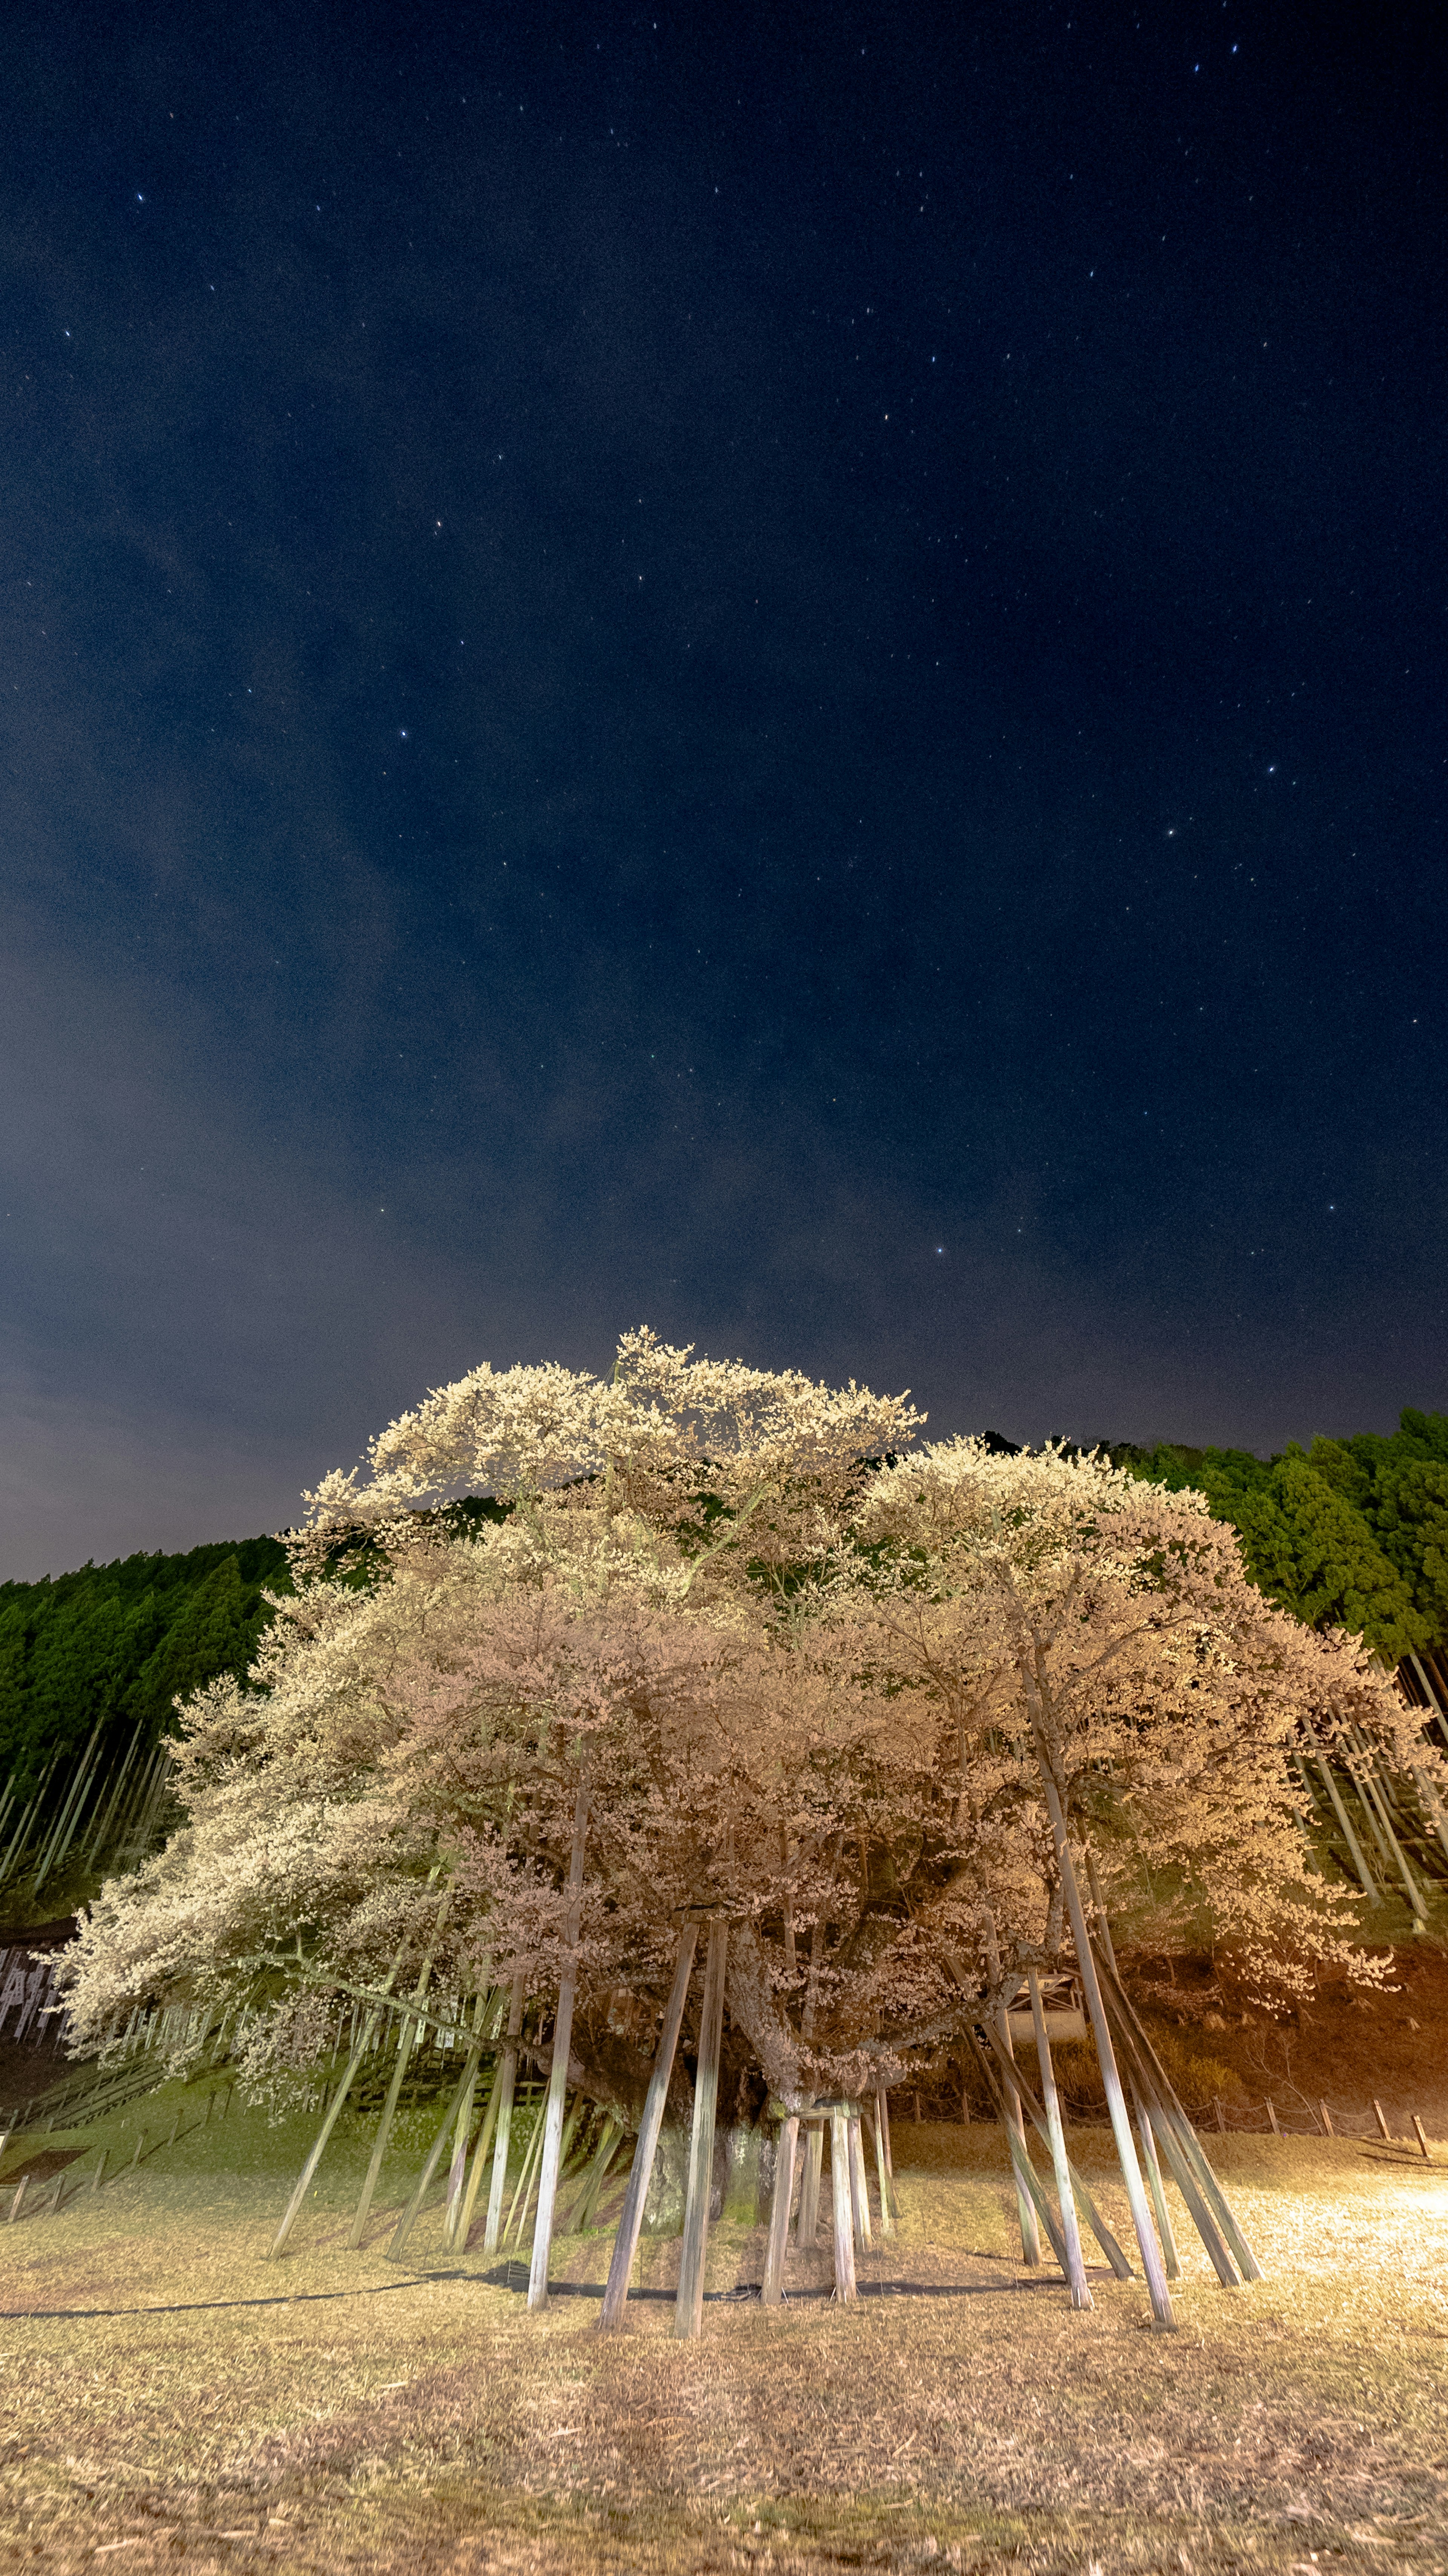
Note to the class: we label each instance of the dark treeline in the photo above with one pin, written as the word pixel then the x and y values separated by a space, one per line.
pixel 1348 1533
pixel 111 1646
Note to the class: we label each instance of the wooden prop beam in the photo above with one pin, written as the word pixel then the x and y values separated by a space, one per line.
pixel 405 2038
pixel 505 2085
pixel 1009 2072
pixel 625 2243
pixel 484 2013
pixel 1011 2110
pixel 461 2091
pixel 1161 2095
pixel 844 2233
pixel 601 2159
pixel 558 2076
pixel 859 2189
pixel 1154 2184
pixel 807 2223
pixel 1074 2267
pixel 462 2224
pixel 784 2162
pixel 1151 2256
pixel 1026 2179
pixel 882 2172
pixel 689 2306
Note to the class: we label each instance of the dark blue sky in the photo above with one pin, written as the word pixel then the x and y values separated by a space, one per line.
pixel 775 672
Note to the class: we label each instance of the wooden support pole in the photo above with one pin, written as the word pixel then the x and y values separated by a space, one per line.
pixel 1158 2086
pixel 98 2177
pixel 1379 2115
pixel 844 2234
pixel 772 2292
pixel 603 2155
pixel 1010 2074
pixel 463 2224
pixel 1375 1809
pixel 1422 2139
pixel 461 2090
pixel 859 2188
pixel 1021 2166
pixel 1011 2110
pixel 1272 2117
pixel 558 2077
pixel 458 2169
pixel 882 2172
pixel 1325 2116
pixel 689 2306
pixel 522 2199
pixel 1151 2255
pixel 389 2108
pixel 807 2223
pixel 505 2084
pixel 1154 2185
pixel 625 2243
pixel 1075 2267
pixel 1369 1886
pixel 18 2203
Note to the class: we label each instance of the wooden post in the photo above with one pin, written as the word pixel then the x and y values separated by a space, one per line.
pixel 882 2173
pixel 293 2207
pixel 1154 2185
pixel 522 2200
pixel 807 2223
pixel 1360 1865
pixel 98 2177
pixel 1326 2118
pixel 477 2168
pixel 1221 2114
pixel 1382 2123
pixel 457 2170
pixel 389 2108
pixel 1151 2256
pixel 1422 2141
pixel 602 2157
pixel 1158 2085
pixel 1011 2113
pixel 689 2306
pixel 18 2203
pixel 461 2091
pixel 625 2243
pixel 772 2292
pixel 1011 2075
pixel 844 2235
pixel 505 2083
pixel 859 2188
pixel 1021 2165
pixel 1272 2117
pixel 558 2078
pixel 1070 2231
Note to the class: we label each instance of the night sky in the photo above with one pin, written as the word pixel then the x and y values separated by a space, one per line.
pixel 775 672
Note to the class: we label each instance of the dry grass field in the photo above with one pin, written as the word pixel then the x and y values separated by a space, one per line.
pixel 172 2400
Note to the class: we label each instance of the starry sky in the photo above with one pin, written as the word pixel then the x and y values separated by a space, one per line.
pixel 775 672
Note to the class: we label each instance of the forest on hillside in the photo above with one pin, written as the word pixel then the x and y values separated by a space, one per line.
pixel 1346 1534
pixel 114 1646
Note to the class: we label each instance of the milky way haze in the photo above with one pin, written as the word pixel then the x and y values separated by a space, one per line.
pixel 779 676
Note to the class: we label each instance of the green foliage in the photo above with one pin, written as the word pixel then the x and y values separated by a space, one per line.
pixel 1350 1533
pixel 116 1643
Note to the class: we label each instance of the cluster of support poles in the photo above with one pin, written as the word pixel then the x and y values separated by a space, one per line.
pixel 1160 2128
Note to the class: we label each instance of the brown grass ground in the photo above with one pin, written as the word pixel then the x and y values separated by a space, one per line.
pixel 174 2401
